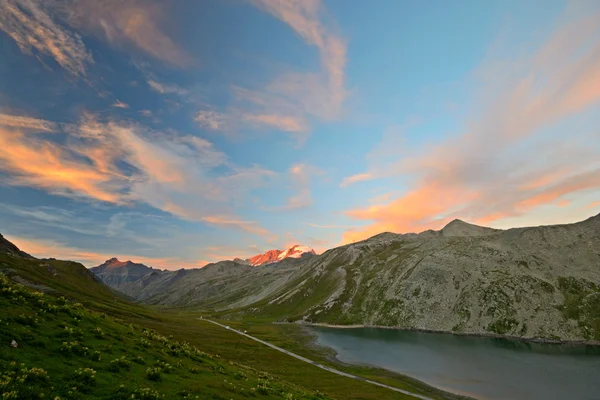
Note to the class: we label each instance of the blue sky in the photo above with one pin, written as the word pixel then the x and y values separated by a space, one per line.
pixel 179 133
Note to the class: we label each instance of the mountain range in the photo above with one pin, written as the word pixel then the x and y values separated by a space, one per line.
pixel 534 282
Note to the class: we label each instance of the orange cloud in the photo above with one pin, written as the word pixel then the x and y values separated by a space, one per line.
pixel 137 23
pixel 35 162
pixel 51 249
pixel 169 172
pixel 504 164
pixel 32 27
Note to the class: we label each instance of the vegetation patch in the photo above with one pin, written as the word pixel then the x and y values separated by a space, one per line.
pixel 582 304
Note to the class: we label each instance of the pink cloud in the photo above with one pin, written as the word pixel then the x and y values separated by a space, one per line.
pixel 503 164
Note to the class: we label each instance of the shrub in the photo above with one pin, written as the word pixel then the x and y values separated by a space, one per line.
pixel 96 356
pixel 85 378
pixel 98 333
pixel 146 394
pixel 139 360
pixel 153 373
pixel 119 363
pixel 74 348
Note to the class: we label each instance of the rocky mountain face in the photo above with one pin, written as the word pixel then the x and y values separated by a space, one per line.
pixel 273 256
pixel 538 282
pixel 8 247
pixel 265 258
pixel 117 274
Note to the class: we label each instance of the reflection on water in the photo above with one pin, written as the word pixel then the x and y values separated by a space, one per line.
pixel 484 368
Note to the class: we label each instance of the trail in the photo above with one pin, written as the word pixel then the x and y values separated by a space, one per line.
pixel 326 368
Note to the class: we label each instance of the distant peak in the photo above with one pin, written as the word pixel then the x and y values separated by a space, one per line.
pixel 458 227
pixel 113 260
pixel 273 256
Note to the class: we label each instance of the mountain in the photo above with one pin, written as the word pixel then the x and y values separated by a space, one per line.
pixel 9 248
pixel 273 256
pixel 265 258
pixel 535 282
pixel 117 274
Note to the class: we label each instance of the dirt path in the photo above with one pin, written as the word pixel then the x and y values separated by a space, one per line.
pixel 326 368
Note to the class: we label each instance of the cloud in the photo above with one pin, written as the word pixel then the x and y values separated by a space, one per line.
pixel 350 180
pixel 289 100
pixel 321 94
pixel 33 161
pixel 508 160
pixel 328 226
pixel 122 163
pixel 211 119
pixel 133 23
pixel 45 248
pixel 120 104
pixel 31 25
pixel 167 88
pixel 285 123
pixel 34 124
pixel 299 179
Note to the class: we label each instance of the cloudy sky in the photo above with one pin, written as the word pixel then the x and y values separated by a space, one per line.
pixel 179 132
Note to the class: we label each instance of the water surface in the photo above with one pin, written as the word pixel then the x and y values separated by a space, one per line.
pixel 483 368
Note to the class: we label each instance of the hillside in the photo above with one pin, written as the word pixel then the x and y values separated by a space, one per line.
pixel 538 282
pixel 76 339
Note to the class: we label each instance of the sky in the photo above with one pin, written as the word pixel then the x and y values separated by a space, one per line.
pixel 178 133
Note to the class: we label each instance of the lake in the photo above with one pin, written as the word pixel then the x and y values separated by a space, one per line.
pixel 483 368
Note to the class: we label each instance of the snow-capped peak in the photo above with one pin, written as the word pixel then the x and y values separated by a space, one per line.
pixel 273 256
pixel 295 251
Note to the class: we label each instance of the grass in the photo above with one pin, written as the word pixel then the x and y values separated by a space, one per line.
pixel 84 341
pixel 66 351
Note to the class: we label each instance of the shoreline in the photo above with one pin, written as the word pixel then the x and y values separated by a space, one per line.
pixel 331 355
pixel 595 343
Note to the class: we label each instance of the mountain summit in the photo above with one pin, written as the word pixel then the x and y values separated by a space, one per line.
pixel 116 273
pixel 461 228
pixel 273 256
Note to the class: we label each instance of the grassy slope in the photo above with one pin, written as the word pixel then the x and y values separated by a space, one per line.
pixel 269 374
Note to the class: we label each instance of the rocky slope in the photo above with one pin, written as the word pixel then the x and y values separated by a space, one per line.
pixel 541 282
pixel 10 248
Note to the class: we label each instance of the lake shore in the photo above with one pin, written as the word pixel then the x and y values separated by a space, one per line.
pixel 468 334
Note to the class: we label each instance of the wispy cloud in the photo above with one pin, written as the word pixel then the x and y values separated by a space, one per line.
pixel 21 122
pixel 298 179
pixel 288 101
pixel 122 163
pixel 120 104
pixel 321 94
pixel 285 123
pixel 328 226
pixel 32 26
pixel 167 88
pixel 133 23
pixel 506 163
pixel 211 119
